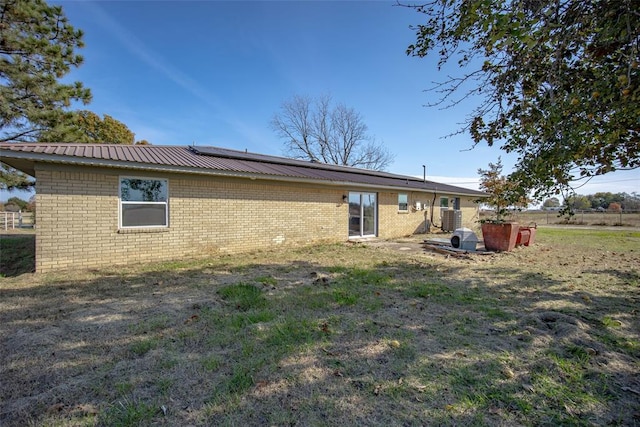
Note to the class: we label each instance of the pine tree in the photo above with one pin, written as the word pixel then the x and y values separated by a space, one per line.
pixel 37 49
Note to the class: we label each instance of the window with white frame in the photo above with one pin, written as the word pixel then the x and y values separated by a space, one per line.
pixel 403 202
pixel 144 202
pixel 444 205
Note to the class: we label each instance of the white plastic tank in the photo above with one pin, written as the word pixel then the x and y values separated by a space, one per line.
pixel 464 238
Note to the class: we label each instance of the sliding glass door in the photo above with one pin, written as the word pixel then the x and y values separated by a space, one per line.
pixel 362 214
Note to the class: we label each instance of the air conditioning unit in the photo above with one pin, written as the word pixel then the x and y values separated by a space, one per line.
pixel 451 220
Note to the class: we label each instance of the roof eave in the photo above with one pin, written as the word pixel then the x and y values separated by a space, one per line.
pixel 25 162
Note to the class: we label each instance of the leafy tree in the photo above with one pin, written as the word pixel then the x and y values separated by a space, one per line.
pixel 115 132
pixel 552 202
pixel 557 81
pixel 15 204
pixel 502 192
pixel 87 127
pixel 77 127
pixel 21 204
pixel 143 190
pixel 9 207
pixel 614 207
pixel 631 202
pixel 315 130
pixel 604 199
pixel 577 202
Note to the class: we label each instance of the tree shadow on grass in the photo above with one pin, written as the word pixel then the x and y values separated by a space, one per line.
pixel 17 254
pixel 397 343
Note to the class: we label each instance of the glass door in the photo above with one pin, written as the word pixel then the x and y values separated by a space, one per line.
pixel 362 214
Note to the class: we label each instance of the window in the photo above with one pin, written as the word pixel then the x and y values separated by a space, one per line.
pixel 403 202
pixel 456 203
pixel 444 205
pixel 144 202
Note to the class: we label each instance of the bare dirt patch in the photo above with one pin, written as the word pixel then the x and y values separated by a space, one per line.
pixel 332 335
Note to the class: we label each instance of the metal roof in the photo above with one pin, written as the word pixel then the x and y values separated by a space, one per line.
pixel 213 161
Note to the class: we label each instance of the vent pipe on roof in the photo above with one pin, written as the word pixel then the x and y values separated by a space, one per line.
pixel 424 174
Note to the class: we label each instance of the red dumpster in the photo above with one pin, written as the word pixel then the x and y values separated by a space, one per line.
pixel 527 235
pixel 524 234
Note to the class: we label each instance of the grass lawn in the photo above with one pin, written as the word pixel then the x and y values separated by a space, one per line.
pixel 331 335
pixel 17 253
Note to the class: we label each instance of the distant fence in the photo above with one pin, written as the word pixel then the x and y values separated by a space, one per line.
pixel 604 218
pixel 11 220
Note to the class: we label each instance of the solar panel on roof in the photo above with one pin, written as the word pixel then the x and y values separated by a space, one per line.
pixel 234 154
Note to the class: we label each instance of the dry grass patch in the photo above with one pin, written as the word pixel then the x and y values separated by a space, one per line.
pixel 332 335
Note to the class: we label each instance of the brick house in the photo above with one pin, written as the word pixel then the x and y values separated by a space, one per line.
pixel 100 204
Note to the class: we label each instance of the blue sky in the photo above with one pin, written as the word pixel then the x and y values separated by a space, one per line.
pixel 215 73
